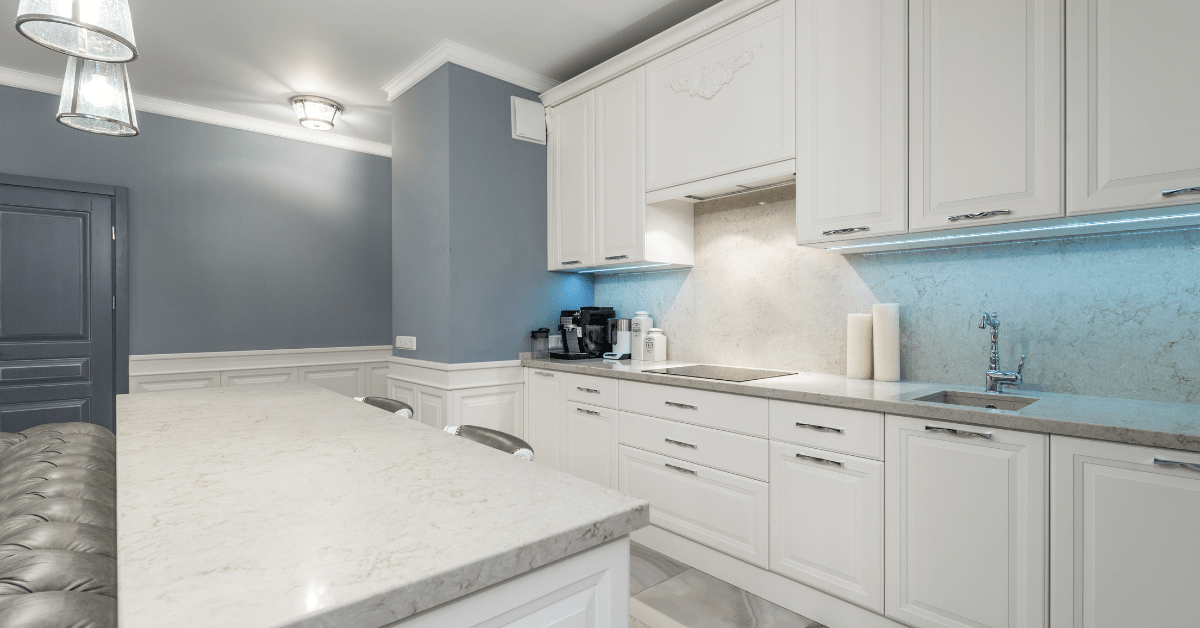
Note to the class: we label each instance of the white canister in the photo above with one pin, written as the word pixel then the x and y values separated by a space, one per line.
pixel 655 346
pixel 641 326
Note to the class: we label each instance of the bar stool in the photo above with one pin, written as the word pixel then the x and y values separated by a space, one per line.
pixel 391 405
pixel 495 439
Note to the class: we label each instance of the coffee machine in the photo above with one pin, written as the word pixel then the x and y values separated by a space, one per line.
pixel 585 333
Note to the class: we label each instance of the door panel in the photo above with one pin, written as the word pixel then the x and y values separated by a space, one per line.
pixel 56 307
pixel 620 172
pixel 572 189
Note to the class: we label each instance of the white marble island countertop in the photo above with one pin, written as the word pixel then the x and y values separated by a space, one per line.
pixel 289 505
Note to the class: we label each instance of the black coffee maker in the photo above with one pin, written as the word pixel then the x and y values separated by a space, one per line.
pixel 585 333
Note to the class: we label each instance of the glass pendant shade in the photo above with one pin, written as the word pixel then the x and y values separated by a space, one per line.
pixel 315 112
pixel 100 30
pixel 96 98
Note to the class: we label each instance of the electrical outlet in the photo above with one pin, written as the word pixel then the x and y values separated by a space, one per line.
pixel 407 343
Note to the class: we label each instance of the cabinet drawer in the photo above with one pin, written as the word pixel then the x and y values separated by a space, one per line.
pixel 747 415
pixel 744 455
pixel 597 391
pixel 724 511
pixel 836 429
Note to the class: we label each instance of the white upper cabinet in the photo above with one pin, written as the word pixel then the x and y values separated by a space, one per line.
pixel 985 111
pixel 620 169
pixel 1133 128
pixel 724 102
pixel 572 183
pixel 851 145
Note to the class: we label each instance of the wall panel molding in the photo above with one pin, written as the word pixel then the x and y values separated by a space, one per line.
pixel 487 394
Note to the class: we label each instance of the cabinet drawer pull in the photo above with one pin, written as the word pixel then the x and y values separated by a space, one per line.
pixel 820 460
pixel 946 430
pixel 617 257
pixel 543 374
pixel 680 443
pixel 1172 463
pixel 821 428
pixel 671 466
pixel 1181 191
pixel 591 412
pixel 998 212
pixel 574 261
pixel 587 390
pixel 681 405
pixel 841 231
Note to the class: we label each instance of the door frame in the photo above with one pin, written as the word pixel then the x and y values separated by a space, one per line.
pixel 120 209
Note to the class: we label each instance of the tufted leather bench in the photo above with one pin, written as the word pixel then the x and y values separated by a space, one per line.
pixel 58 527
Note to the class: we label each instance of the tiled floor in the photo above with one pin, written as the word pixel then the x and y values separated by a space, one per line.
pixel 668 594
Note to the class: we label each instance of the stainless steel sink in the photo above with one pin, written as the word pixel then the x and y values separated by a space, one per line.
pixel 989 401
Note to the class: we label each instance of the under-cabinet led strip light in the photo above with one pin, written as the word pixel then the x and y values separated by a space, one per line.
pixel 1081 225
pixel 609 270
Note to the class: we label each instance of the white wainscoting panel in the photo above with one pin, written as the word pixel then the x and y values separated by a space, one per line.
pixel 351 371
pixel 487 394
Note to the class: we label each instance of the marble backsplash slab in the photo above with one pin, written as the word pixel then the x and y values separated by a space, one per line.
pixel 1113 315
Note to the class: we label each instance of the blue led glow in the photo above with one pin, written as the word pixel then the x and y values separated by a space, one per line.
pixel 1101 223
pixel 611 270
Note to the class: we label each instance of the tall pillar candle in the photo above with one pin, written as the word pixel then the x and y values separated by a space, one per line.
pixel 858 346
pixel 886 338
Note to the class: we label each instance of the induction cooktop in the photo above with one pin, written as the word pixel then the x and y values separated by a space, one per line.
pixel 724 373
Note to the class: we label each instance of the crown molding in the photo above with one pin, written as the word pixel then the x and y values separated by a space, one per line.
pixel 450 52
pixel 48 85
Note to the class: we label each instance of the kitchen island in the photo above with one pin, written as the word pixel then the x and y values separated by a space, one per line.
pixel 289 505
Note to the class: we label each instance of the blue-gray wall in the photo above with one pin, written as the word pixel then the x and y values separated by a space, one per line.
pixel 470 219
pixel 238 240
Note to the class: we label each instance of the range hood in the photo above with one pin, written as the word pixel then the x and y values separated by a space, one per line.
pixel 742 182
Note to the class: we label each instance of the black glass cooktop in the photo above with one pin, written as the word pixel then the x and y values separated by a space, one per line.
pixel 724 373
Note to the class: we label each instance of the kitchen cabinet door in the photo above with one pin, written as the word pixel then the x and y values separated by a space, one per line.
pixel 985 112
pixel 966 525
pixel 572 183
pixel 545 416
pixel 1133 131
pixel 621 170
pixel 591 449
pixel 725 102
pixel 851 122
pixel 1124 534
pixel 827 522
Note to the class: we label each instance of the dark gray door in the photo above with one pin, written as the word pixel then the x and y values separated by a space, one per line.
pixel 56 307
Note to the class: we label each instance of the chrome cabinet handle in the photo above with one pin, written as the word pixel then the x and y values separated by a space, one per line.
pixel 681 405
pixel 1181 191
pixel 671 466
pixel 680 443
pixel 574 261
pixel 841 231
pixel 543 374
pixel 998 212
pixel 946 430
pixel 591 412
pixel 1172 463
pixel 617 257
pixel 820 460
pixel 821 428
pixel 587 390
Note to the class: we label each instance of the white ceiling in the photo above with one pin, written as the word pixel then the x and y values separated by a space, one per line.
pixel 249 56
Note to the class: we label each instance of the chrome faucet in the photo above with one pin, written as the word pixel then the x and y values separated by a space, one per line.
pixel 995 380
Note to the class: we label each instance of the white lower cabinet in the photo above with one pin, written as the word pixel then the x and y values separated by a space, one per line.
pixel 724 511
pixel 591 448
pixel 966 525
pixel 1125 534
pixel 827 521
pixel 545 423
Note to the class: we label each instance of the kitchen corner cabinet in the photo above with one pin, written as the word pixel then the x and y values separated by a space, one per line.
pixel 572 183
pixel 1124 535
pixel 724 102
pixel 966 525
pixel 591 443
pixel 1133 131
pixel 545 408
pixel 851 126
pixel 986 112
pixel 578 438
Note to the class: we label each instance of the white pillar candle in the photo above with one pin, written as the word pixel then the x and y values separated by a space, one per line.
pixel 886 338
pixel 858 346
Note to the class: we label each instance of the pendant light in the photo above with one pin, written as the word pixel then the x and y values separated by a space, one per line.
pixel 315 112
pixel 96 98
pixel 100 30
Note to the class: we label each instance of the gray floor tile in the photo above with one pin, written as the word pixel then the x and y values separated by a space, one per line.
pixel 648 568
pixel 694 599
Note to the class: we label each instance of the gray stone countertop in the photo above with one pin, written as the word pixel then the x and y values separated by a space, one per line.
pixel 290 505
pixel 1150 423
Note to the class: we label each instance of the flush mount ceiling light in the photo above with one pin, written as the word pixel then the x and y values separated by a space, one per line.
pixel 96 98
pixel 315 112
pixel 99 30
